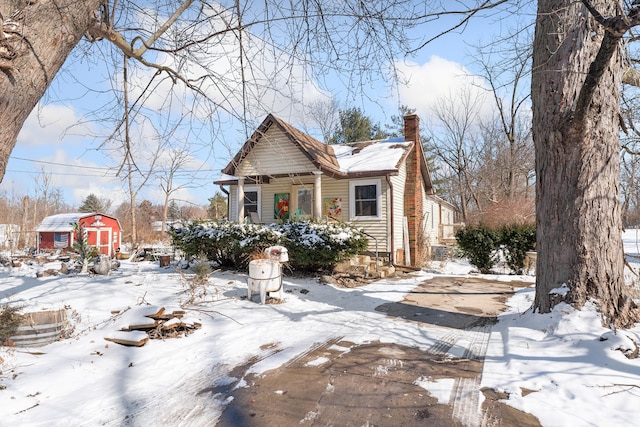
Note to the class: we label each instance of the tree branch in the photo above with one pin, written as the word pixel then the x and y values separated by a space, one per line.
pixel 467 16
pixel 615 28
pixel 163 28
pixel 631 77
pixel 608 47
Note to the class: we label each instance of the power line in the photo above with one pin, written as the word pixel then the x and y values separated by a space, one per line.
pixel 60 164
pixel 103 169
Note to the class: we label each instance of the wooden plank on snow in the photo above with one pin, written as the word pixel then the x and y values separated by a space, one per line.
pixel 133 338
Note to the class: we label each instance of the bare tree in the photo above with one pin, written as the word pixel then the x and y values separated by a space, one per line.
pixel 324 114
pixel 575 91
pixel 505 70
pixel 136 174
pixel 177 159
pixel 630 159
pixel 43 187
pixel 219 58
pixel 455 141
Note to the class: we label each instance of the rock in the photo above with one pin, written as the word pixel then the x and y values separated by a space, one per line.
pixel 327 279
pixel 102 265
pixel 46 273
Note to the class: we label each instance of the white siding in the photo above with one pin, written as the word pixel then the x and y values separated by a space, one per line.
pixel 331 188
pixel 274 154
pixel 431 211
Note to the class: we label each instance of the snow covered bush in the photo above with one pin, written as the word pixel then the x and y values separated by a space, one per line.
pixel 311 245
pixel 321 245
pixel 228 244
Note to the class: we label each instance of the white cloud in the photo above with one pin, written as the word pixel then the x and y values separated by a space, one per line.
pixel 52 123
pixel 429 83
pixel 80 177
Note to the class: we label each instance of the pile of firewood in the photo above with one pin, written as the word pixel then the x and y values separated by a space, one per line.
pixel 136 326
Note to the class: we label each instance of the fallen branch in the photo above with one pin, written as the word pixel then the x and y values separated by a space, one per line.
pixel 216 312
pixel 627 388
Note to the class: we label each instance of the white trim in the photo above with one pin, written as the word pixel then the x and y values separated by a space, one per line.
pixel 352 199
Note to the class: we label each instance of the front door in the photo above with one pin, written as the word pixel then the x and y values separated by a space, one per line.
pixel 302 201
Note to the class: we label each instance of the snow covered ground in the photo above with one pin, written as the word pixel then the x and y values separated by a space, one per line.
pixel 578 378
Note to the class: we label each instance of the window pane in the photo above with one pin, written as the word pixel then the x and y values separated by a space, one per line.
pixel 366 208
pixel 365 192
pixel 250 197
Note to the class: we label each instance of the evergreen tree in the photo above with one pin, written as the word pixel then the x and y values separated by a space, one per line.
pixel 354 126
pixel 93 203
pixel 217 206
pixel 174 211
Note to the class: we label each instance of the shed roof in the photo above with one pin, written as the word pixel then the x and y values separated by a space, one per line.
pixel 63 222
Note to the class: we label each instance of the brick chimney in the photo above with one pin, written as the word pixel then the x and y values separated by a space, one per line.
pixel 413 190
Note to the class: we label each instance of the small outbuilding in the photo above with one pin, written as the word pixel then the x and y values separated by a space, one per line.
pixel 102 231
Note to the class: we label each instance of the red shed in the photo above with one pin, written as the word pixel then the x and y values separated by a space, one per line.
pixel 103 231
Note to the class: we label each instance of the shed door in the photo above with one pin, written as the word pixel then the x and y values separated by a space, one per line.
pixel 104 241
pixel 101 239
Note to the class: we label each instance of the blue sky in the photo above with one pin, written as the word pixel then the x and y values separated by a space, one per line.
pixel 62 140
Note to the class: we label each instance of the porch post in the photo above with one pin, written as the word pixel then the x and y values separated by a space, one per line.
pixel 317 195
pixel 241 199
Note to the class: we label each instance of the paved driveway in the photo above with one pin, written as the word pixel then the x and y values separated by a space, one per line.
pixel 339 383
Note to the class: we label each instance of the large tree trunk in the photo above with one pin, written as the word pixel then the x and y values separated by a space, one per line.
pixel 579 240
pixel 38 37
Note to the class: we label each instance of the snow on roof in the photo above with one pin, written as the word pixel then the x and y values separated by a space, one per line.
pixel 371 156
pixel 61 222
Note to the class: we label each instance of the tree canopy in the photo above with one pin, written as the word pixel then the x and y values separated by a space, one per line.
pixel 93 203
pixel 355 126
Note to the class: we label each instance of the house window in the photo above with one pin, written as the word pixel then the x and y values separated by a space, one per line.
pixel 251 201
pixel 364 196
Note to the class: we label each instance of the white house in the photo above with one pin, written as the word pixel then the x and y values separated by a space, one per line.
pixel 383 187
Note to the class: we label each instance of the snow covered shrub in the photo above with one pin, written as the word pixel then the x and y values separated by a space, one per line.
pixel 311 245
pixel 229 244
pixel 321 245
pixel 480 245
pixel 517 240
